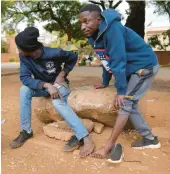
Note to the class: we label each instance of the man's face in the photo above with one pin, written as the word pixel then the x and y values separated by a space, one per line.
pixel 34 54
pixel 89 22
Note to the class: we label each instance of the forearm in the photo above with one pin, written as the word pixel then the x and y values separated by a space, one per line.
pixel 106 77
pixel 60 76
pixel 69 60
pixel 120 82
pixel 32 83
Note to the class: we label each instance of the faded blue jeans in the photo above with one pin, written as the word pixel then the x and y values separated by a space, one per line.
pixel 60 106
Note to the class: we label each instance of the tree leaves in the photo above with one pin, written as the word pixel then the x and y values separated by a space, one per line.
pixel 60 15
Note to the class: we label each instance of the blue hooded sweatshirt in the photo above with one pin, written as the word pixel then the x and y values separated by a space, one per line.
pixel 46 68
pixel 121 50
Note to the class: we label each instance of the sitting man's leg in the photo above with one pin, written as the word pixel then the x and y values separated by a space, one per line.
pixel 26 95
pixel 74 122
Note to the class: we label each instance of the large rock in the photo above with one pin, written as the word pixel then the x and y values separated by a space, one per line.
pixel 58 134
pixel 60 130
pixel 90 103
pixel 45 111
pixel 98 127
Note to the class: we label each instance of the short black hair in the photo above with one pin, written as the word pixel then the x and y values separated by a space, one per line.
pixel 91 8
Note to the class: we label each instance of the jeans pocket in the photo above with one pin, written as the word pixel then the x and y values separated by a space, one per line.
pixel 64 91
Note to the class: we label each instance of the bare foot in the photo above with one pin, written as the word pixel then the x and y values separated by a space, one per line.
pixel 103 151
pixel 88 147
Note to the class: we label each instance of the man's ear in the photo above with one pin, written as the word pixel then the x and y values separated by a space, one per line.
pixel 99 19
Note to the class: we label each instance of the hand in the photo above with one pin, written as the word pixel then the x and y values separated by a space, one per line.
pixel 119 101
pixel 53 91
pixel 99 86
pixel 60 78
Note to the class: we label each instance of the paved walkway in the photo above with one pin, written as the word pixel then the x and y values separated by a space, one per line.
pixel 164 73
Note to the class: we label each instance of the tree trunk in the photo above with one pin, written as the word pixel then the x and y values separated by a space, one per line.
pixel 136 18
pixel 69 36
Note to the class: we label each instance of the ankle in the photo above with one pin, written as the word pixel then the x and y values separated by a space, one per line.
pixel 109 144
pixel 87 138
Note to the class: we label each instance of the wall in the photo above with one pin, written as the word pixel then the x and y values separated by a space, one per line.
pixel 5 56
pixel 163 57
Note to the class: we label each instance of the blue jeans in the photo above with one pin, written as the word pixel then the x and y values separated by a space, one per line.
pixel 60 106
pixel 137 87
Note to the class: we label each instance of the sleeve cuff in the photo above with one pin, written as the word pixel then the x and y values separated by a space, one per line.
pixel 66 70
pixel 40 85
pixel 105 82
pixel 121 91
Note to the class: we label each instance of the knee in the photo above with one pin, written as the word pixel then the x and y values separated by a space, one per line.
pixel 58 103
pixel 25 91
pixel 135 104
pixel 126 110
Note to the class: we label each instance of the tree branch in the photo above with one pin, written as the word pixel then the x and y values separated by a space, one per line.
pixel 110 4
pixel 166 9
pixel 55 18
pixel 94 2
pixel 117 4
pixel 101 3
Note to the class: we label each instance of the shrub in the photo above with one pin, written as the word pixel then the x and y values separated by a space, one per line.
pixel 82 62
pixel 11 59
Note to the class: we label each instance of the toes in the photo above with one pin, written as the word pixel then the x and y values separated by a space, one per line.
pixel 93 154
pixel 96 155
pixel 84 154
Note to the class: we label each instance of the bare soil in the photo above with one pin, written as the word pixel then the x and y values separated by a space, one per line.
pixel 43 155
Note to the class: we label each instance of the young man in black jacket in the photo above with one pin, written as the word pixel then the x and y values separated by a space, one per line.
pixel 50 79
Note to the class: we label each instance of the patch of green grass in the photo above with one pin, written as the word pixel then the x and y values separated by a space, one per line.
pixel 168 65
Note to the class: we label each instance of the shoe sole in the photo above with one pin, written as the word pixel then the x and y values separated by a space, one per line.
pixel 19 145
pixel 157 146
pixel 72 149
pixel 117 161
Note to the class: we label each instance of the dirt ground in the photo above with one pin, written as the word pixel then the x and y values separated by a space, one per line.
pixel 43 155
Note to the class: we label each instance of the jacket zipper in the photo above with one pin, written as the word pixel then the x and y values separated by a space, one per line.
pixel 101 33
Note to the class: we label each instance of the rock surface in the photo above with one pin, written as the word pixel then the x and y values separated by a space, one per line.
pixel 98 127
pixel 60 130
pixel 58 134
pixel 96 105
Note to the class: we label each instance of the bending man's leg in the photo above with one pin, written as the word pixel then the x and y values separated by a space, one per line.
pixel 137 87
pixel 121 120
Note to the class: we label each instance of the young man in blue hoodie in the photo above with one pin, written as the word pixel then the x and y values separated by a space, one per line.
pixel 132 62
pixel 50 79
